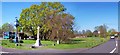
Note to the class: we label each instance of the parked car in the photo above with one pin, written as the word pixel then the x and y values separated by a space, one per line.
pixel 8 35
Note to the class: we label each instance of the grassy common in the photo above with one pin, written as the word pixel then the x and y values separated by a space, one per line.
pixel 75 43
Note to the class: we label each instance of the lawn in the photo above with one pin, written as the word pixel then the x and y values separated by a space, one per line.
pixel 81 43
pixel 75 43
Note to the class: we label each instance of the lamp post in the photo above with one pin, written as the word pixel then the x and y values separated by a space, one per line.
pixel 16 25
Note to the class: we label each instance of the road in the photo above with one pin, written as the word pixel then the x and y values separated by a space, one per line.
pixel 109 47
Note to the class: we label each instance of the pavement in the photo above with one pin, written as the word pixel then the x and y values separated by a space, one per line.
pixel 9 50
pixel 1 38
pixel 109 47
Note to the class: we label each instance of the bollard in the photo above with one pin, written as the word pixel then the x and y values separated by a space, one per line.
pixel 32 46
pixel 16 44
pixel 53 44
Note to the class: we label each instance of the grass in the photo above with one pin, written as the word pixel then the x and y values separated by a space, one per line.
pixel 81 43
pixel 88 42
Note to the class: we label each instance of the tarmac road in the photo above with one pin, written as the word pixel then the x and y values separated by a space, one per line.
pixel 109 47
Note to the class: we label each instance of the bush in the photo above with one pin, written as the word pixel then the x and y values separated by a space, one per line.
pixel 102 39
pixel 21 41
pixel 3 43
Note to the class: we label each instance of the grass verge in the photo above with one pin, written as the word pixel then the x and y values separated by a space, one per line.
pixel 88 42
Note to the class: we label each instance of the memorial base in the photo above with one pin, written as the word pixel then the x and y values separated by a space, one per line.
pixel 38 43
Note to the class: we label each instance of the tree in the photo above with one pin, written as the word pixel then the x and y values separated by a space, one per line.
pixel 111 31
pixel 61 27
pixel 7 27
pixel 88 33
pixel 84 33
pixel 102 29
pixel 95 33
pixel 53 21
pixel 37 15
pixel 1 32
pixel 76 32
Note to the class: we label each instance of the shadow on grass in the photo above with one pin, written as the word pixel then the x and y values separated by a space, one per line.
pixel 74 41
pixel 77 40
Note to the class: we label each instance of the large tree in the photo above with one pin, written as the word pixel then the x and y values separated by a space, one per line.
pixel 83 33
pixel 61 25
pixel 6 27
pixel 111 31
pixel 53 21
pixel 95 33
pixel 1 32
pixel 89 33
pixel 102 29
pixel 37 15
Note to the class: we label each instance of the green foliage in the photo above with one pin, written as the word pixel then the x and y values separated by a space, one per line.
pixel 95 33
pixel 51 18
pixel 102 29
pixel 6 27
pixel 111 32
pixel 1 32
pixel 89 33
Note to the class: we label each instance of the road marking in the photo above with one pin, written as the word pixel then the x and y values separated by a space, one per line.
pixel 115 47
pixel 4 52
pixel 113 50
pixel 116 43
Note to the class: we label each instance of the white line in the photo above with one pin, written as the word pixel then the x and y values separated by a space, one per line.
pixel 113 50
pixel 4 52
pixel 116 43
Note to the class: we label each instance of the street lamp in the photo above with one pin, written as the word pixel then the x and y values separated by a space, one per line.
pixel 16 25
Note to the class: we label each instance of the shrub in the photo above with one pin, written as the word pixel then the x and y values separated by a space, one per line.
pixel 3 43
pixel 21 41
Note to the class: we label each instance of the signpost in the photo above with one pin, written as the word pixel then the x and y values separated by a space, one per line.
pixel 16 25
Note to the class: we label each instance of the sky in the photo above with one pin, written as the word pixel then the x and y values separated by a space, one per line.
pixel 60 0
pixel 87 14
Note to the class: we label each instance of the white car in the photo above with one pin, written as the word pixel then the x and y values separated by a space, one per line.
pixel 112 37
